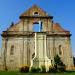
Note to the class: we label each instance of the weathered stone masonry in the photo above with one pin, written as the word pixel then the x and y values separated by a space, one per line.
pixel 19 43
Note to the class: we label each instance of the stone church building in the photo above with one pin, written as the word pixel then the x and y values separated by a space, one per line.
pixel 35 40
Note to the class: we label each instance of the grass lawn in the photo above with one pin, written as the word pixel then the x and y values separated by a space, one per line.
pixel 18 73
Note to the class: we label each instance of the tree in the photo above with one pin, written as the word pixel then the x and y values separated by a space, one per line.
pixel 74 60
pixel 59 65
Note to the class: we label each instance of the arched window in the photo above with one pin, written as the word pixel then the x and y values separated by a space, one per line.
pixel 60 50
pixel 12 50
pixel 36 13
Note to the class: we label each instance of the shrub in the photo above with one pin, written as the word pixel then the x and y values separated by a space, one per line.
pixel 59 65
pixel 60 68
pixel 52 69
pixel 38 69
pixel 24 69
pixel 33 69
pixel 43 68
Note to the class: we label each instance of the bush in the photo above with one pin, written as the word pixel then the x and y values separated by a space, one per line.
pixel 43 68
pixel 60 68
pixel 24 69
pixel 33 69
pixel 59 65
pixel 52 69
pixel 38 69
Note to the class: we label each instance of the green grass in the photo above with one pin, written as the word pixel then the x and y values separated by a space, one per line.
pixel 18 73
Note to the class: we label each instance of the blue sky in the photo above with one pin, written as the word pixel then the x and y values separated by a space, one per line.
pixel 62 10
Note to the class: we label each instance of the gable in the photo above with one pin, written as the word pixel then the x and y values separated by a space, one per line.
pixel 28 25
pixel 34 9
pixel 58 28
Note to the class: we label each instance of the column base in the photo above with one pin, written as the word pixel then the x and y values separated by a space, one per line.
pixel 39 62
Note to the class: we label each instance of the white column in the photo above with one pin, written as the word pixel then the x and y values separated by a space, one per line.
pixel 41 51
pixel 35 44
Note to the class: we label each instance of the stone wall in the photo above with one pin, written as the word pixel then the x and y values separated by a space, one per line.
pixel 23 43
pixel 53 49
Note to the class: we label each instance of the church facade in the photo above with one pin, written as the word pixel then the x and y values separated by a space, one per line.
pixel 35 39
